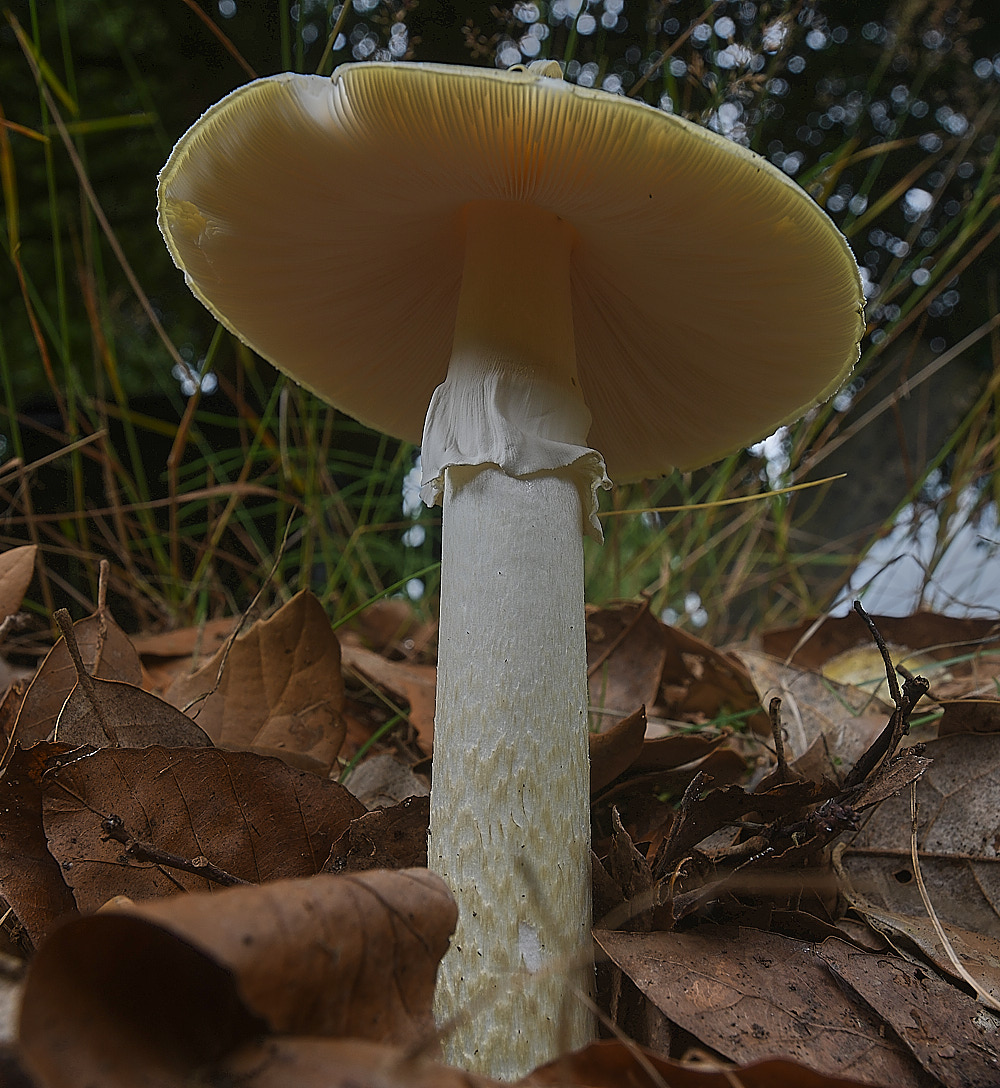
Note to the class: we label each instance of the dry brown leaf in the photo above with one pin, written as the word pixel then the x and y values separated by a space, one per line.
pixel 408 683
pixel 253 816
pixel 390 623
pixel 957 655
pixel 917 939
pixel 102 712
pixel 748 994
pixel 958 839
pixel 892 776
pixel 705 683
pixel 638 796
pixel 952 1037
pixel 969 716
pixel 107 653
pixel 612 753
pixel 10 706
pixel 628 867
pixel 940 635
pixel 186 642
pixel 611 1064
pixel 338 1063
pixel 834 723
pixel 155 993
pixel 351 956
pixel 388 838
pixel 17 567
pixel 626 651
pixel 864 667
pixel 280 693
pixel 30 877
pixel 665 753
pixel 383 781
pixel 112 1001
pixel 166 655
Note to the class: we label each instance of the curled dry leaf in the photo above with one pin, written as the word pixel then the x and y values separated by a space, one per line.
pixel 17 566
pixel 637 795
pixel 893 775
pixel 613 752
pixel 749 995
pixel 706 683
pixel 10 705
pixel 702 815
pixel 666 753
pixel 630 869
pixel 253 816
pixel 31 880
pixel 149 995
pixel 111 1000
pixel 280 692
pixel 107 653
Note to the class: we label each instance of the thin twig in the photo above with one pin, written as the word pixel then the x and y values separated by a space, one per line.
pixel 914 689
pixel 83 678
pixel 774 714
pixel 114 828
pixel 890 669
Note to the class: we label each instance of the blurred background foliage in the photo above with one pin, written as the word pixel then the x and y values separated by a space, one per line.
pixel 186 462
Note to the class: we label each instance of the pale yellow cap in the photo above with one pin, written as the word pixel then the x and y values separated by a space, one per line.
pixel 319 220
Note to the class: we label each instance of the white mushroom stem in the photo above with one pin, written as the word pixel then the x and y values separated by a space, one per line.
pixel 505 441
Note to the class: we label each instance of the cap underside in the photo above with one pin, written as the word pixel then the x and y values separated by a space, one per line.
pixel 319 220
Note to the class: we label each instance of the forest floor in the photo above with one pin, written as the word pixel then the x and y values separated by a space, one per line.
pixel 795 853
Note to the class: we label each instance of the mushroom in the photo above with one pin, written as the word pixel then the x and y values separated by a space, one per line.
pixel 547 272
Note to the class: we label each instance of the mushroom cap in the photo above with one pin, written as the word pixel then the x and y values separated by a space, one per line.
pixel 320 221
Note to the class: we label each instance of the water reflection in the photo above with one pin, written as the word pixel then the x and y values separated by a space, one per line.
pixel 907 570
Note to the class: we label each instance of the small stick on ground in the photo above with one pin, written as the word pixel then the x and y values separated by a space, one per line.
pixel 914 688
pixel 774 713
pixel 114 828
pixel 84 679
